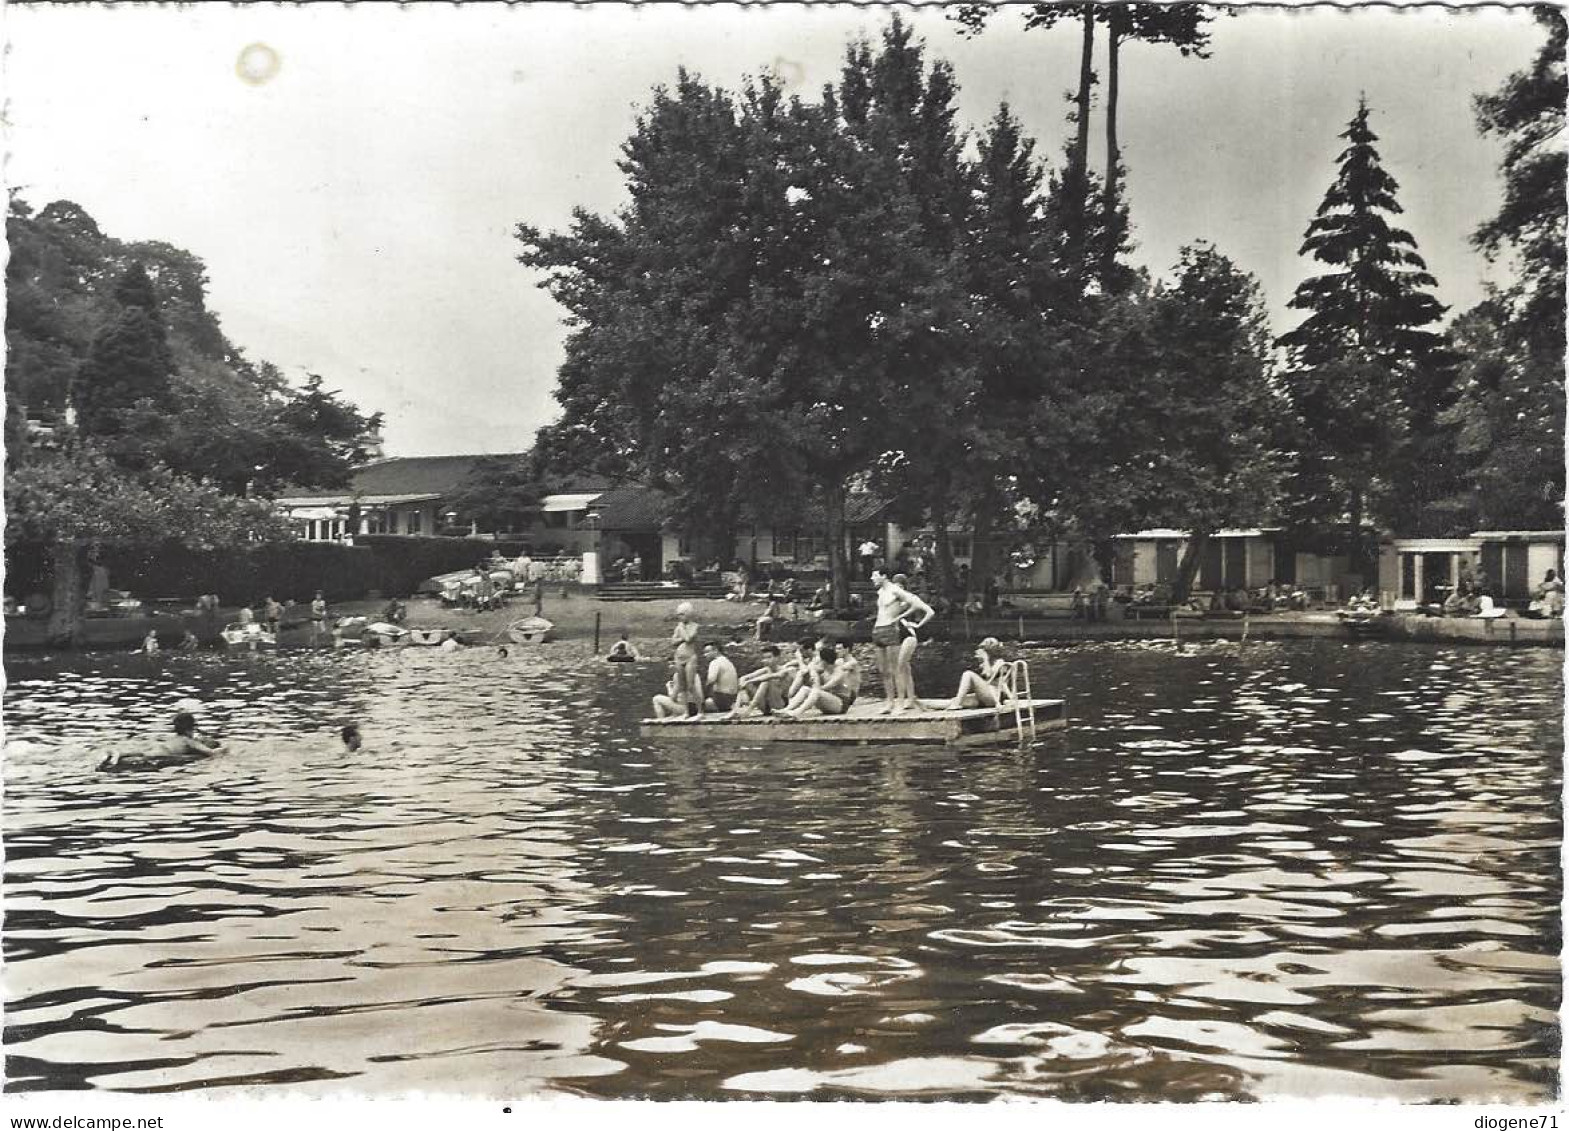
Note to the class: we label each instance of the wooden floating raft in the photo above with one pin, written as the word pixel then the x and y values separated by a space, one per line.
pixel 866 724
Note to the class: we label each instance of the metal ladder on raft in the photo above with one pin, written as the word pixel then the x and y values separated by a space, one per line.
pixel 1015 687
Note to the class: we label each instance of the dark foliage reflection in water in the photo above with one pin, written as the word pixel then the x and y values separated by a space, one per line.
pixel 1285 870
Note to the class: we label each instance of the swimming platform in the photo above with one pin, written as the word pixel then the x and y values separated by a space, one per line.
pixel 865 723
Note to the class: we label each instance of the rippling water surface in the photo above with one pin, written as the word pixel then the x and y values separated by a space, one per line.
pixel 1291 870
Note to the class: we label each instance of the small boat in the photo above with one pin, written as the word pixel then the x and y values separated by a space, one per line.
pixel 530 630
pixel 250 636
pixel 381 634
pixel 430 637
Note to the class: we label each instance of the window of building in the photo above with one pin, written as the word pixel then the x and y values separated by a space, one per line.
pixel 960 545
pixel 412 521
pixel 809 546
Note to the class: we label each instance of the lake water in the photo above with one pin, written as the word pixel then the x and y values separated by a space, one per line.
pixel 1295 869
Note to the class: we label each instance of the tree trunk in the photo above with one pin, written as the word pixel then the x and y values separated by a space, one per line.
pixel 65 619
pixel 1104 551
pixel 1354 537
pixel 1113 154
pixel 1081 143
pixel 940 582
pixel 838 562
pixel 982 520
pixel 1188 567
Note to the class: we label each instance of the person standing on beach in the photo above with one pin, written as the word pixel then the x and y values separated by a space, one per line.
pixel 274 614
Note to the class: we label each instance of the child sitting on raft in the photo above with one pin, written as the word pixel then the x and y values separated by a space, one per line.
pixel 667 706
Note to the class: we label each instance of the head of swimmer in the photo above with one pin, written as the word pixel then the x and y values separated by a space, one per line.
pixel 351 737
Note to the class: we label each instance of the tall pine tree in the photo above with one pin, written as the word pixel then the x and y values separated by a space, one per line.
pixel 1367 379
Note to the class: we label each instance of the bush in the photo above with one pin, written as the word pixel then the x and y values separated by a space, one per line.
pixel 289 571
pixel 390 564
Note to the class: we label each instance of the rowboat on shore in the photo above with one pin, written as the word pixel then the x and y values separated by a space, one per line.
pixel 865 723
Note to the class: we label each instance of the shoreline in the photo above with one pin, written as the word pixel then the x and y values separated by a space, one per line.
pixel 647 625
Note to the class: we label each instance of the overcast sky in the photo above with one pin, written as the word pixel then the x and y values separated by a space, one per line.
pixel 355 209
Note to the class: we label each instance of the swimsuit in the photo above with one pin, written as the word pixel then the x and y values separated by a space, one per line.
pixel 722 700
pixel 886 635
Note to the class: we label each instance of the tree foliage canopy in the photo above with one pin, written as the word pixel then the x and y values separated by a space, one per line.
pixel 122 333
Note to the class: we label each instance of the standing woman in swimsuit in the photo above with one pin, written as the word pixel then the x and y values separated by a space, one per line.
pixel 905 673
pixel 894 604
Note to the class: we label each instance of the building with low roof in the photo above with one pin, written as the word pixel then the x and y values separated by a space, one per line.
pixel 1508 564
pixel 412 494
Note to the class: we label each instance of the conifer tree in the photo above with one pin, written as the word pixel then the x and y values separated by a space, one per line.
pixel 129 360
pixel 1367 378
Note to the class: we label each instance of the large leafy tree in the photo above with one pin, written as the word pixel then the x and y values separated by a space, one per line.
pixel 499 493
pixel 773 311
pixel 1210 394
pixel 123 331
pixel 1368 377
pixel 175 427
pixel 75 497
pixel 1509 419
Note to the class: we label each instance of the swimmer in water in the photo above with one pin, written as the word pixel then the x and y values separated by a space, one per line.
pixel 351 738
pixel 168 749
pixel 623 652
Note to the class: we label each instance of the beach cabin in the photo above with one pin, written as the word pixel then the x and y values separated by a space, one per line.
pixel 1425 570
pixel 1233 559
pixel 1516 561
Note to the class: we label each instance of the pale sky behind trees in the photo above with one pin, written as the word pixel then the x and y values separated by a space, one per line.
pixel 355 211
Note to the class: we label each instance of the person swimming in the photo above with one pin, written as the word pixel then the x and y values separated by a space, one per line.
pixel 165 750
pixel 350 737
pixel 623 652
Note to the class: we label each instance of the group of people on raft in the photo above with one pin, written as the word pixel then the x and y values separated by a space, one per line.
pixel 822 676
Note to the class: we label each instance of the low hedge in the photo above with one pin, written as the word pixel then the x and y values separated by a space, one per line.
pixel 390 564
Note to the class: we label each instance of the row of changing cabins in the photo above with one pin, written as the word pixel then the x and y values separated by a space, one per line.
pixel 1515 562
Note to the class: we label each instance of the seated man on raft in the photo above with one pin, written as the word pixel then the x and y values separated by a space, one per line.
pixel 763 691
pixel 833 682
pixel 723 682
